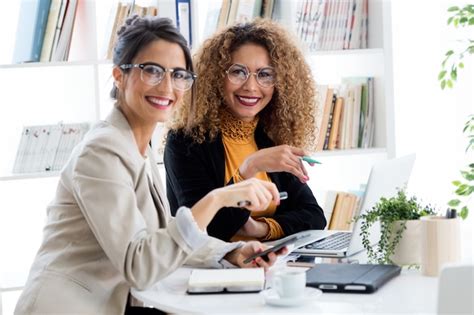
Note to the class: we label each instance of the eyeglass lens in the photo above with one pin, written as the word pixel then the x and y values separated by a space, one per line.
pixel 180 78
pixel 239 74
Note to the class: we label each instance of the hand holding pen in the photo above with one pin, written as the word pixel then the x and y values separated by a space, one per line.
pixel 245 203
pixel 310 160
pixel 258 193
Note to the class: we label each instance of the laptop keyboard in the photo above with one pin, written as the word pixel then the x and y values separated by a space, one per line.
pixel 335 241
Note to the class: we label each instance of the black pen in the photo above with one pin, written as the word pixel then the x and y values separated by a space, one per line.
pixel 246 203
pixel 451 213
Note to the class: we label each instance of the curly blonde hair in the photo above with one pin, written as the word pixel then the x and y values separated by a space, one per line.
pixel 289 118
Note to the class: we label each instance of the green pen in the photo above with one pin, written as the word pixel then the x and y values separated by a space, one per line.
pixel 310 159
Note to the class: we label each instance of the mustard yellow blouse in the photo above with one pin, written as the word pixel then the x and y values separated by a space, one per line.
pixel 239 143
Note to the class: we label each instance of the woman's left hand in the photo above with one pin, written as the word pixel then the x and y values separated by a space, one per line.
pixel 238 255
pixel 253 228
pixel 282 158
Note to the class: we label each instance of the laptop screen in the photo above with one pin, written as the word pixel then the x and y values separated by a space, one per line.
pixel 385 179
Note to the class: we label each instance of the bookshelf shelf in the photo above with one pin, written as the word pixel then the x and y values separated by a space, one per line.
pixel 351 152
pixel 56 64
pixel 10 289
pixel 347 52
pixel 28 176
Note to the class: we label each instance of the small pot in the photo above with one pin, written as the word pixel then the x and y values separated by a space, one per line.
pixel 408 250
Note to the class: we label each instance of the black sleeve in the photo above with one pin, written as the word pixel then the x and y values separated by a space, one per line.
pixel 300 211
pixel 191 174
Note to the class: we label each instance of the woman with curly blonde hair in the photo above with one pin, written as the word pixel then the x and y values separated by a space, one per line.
pixel 253 117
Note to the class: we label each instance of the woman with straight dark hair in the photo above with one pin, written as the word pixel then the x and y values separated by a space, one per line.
pixel 109 227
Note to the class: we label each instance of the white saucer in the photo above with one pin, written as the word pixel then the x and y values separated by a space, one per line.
pixel 271 297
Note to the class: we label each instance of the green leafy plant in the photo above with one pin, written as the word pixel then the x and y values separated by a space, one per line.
pixel 453 61
pixel 465 186
pixel 388 211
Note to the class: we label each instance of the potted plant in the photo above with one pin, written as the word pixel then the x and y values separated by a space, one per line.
pixel 453 60
pixel 399 229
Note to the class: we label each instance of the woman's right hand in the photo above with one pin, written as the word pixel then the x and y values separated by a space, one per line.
pixel 282 158
pixel 257 192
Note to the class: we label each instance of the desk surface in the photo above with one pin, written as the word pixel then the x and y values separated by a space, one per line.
pixel 408 293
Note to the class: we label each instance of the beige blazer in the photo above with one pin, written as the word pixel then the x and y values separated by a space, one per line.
pixel 109 229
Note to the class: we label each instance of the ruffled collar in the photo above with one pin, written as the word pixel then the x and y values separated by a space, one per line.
pixel 235 129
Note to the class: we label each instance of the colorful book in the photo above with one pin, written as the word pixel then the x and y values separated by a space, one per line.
pixel 323 127
pixel 336 119
pixel 183 19
pixel 48 38
pixel 30 32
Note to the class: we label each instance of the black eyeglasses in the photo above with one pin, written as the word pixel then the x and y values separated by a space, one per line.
pixel 239 74
pixel 153 74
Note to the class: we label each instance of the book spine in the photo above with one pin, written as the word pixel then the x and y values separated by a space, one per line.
pixel 183 19
pixel 60 152
pixel 245 11
pixel 25 38
pixel 330 121
pixel 61 50
pixel 48 38
pixel 59 25
pixel 52 147
pixel 41 152
pixel 336 118
pixel 22 150
pixel 33 149
pixel 40 27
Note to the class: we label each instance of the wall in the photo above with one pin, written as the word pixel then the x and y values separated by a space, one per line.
pixel 429 121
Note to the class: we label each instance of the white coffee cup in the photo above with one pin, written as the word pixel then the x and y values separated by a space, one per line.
pixel 289 283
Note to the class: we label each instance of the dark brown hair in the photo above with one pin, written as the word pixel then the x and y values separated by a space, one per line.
pixel 137 33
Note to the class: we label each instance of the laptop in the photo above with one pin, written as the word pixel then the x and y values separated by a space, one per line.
pixel 385 179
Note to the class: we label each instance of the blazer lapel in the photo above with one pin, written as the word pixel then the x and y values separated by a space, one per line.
pixel 117 119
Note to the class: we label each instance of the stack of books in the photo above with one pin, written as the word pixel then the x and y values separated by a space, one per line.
pixel 346 115
pixel 48 147
pixel 333 25
pixel 340 208
pixel 119 14
pixel 46 28
pixel 53 30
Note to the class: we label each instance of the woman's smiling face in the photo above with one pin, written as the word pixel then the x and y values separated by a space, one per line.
pixel 146 103
pixel 246 100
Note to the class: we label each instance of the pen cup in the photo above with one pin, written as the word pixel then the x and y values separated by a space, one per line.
pixel 440 243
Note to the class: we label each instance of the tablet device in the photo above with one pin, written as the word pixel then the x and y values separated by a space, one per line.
pixel 350 278
pixel 276 247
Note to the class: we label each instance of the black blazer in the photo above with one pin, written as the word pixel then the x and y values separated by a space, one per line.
pixel 193 170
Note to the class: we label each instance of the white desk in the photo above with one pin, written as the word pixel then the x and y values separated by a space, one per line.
pixel 408 293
